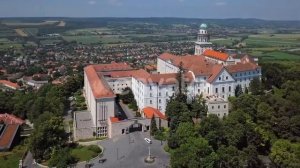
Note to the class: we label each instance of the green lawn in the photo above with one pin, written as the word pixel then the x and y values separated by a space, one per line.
pixel 84 153
pixel 11 159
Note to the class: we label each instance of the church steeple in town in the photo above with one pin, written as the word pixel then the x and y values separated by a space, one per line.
pixel 202 42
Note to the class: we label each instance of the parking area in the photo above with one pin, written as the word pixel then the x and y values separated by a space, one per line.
pixel 130 150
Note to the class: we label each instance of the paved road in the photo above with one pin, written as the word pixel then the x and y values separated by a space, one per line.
pixel 130 150
pixel 129 113
pixel 28 160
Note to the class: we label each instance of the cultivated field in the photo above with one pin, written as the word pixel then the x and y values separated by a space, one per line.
pixel 21 32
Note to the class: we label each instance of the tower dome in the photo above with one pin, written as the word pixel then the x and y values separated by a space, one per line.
pixel 203 26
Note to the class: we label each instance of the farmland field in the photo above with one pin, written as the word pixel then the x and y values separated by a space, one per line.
pixel 280 56
pixel 273 40
pixel 89 39
pixel 21 32
pixel 5 44
pixel 17 23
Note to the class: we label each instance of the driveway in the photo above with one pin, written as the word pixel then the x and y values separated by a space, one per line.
pixel 130 150
pixel 128 112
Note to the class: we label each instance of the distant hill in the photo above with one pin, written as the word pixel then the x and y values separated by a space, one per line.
pixel 96 22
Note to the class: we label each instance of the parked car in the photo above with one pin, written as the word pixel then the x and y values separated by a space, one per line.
pixel 148 140
pixel 102 160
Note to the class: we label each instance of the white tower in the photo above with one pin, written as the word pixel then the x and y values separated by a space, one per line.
pixel 202 42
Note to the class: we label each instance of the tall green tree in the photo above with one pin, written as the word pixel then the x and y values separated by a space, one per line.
pixel 48 135
pixel 199 108
pixel 153 126
pixel 238 91
pixel 255 86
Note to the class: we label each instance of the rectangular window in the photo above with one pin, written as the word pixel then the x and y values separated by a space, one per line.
pixel 159 100
pixel 216 90
pixel 167 94
pixel 229 88
pixel 150 94
pixel 159 94
pixel 150 87
pixel 173 88
pixel 150 101
pixel 223 89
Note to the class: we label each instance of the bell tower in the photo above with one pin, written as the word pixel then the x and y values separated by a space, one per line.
pixel 202 42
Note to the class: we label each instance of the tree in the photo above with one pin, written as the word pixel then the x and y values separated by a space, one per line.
pixel 238 91
pixel 185 131
pixel 195 153
pixel 199 108
pixel 181 92
pixel 61 158
pixel 48 135
pixel 212 129
pixel 285 154
pixel 229 157
pixel 153 126
pixel 255 86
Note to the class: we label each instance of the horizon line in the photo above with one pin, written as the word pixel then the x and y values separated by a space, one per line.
pixel 150 17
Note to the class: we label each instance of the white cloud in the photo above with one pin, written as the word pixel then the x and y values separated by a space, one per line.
pixel 92 2
pixel 220 3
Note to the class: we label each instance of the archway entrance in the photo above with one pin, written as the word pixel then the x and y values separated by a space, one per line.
pixel 135 127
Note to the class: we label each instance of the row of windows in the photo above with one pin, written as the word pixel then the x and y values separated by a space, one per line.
pixel 159 101
pixel 223 89
pixel 173 88
pixel 245 73
pixel 119 85
pixel 212 107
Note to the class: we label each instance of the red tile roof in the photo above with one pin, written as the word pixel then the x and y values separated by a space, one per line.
pixel 114 119
pixel 197 64
pixel 98 85
pixel 112 67
pixel 11 119
pixel 8 135
pixel 150 111
pixel 216 55
pixel 240 67
pixel 9 84
pixel 215 71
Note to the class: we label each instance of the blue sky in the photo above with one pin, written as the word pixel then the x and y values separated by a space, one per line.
pixel 263 9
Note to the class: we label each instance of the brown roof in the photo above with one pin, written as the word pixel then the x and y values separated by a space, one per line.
pixel 98 85
pixel 240 67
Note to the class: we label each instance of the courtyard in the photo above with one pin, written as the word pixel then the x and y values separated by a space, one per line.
pixel 130 150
